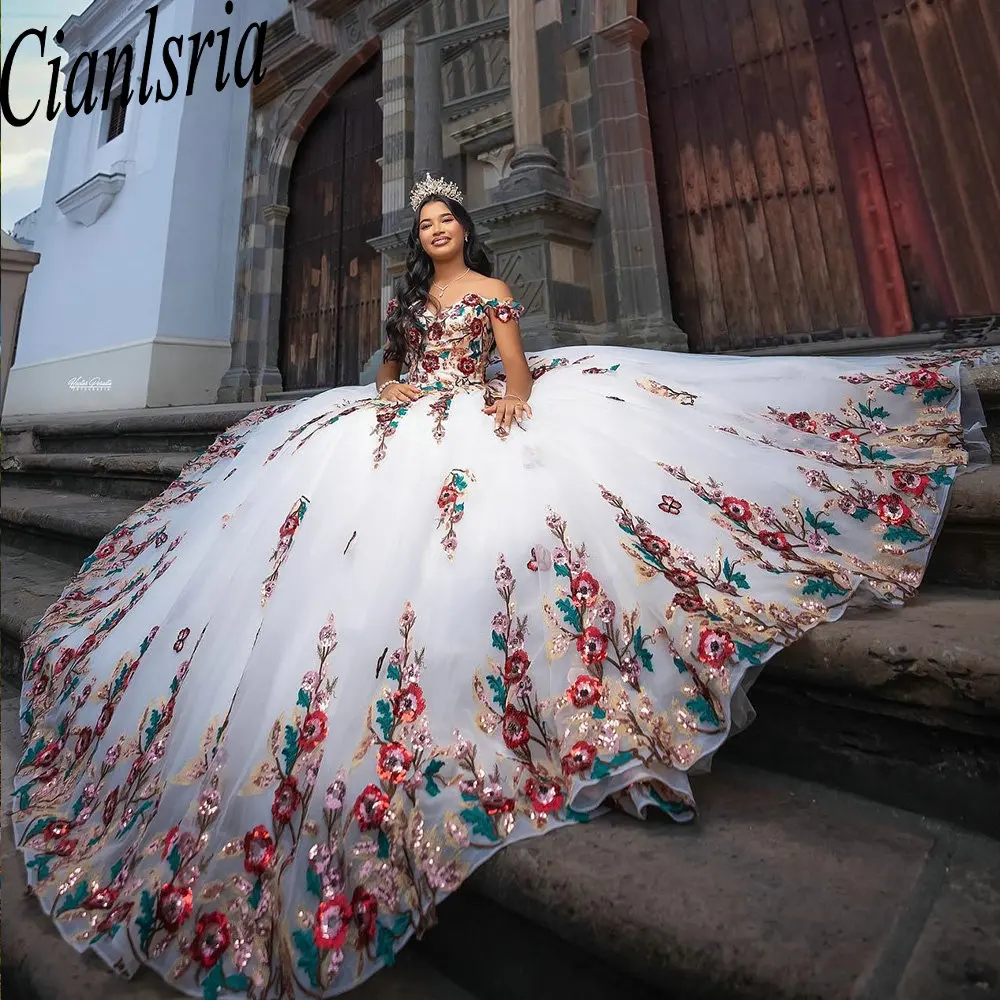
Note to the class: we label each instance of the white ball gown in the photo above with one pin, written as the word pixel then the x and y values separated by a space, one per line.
pixel 358 647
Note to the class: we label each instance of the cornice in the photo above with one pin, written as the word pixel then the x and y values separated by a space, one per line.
pixel 104 24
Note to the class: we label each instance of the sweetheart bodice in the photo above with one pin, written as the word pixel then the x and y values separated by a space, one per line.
pixel 452 347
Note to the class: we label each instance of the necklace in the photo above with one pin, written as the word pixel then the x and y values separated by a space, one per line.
pixel 437 284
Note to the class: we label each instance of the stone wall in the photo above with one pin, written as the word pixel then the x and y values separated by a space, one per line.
pixel 536 108
pixel 16 265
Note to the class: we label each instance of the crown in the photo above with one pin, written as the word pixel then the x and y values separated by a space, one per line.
pixel 434 185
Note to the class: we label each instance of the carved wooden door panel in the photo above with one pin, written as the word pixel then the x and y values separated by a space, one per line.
pixel 931 75
pixel 767 240
pixel 331 290
pixel 825 164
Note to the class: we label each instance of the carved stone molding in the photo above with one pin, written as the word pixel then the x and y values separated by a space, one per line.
pixel 549 213
pixel 103 23
pixel 331 9
pixel 276 213
pixel 498 159
pixel 609 12
pixel 85 204
pixel 391 12
pixel 298 43
pixel 628 32
pixel 391 243
pixel 457 40
pixel 480 137
pixel 453 110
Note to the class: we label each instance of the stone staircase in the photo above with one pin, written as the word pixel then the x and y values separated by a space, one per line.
pixel 848 843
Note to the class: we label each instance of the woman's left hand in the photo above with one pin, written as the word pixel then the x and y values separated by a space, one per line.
pixel 507 410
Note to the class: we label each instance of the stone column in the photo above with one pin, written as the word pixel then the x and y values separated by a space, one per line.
pixel 265 376
pixel 235 384
pixel 428 98
pixel 16 264
pixel 400 59
pixel 531 157
pixel 636 283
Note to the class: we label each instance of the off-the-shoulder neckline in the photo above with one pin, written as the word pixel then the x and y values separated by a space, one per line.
pixel 494 301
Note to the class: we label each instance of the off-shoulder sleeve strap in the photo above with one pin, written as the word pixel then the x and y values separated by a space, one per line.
pixel 387 352
pixel 505 310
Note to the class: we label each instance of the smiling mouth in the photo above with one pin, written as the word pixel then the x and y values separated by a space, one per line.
pixel 440 241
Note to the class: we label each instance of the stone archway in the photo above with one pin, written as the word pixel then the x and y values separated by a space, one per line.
pixel 275 131
pixel 331 277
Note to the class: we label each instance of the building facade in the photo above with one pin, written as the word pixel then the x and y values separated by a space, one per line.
pixel 724 175
pixel 17 261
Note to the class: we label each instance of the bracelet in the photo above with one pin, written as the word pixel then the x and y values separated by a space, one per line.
pixel 385 385
pixel 508 395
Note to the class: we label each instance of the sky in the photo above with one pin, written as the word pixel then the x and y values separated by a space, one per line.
pixel 24 151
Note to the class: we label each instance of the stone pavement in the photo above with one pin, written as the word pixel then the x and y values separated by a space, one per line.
pixel 782 889
pixel 39 965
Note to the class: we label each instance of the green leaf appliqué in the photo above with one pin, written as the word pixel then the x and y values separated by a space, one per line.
pixel 291 751
pixel 383 717
pixel 822 588
pixel 479 822
pixel 308 954
pixel 702 710
pixel 902 534
pixel 499 690
pixel 430 783
pixel 314 885
pixel 571 614
pixel 602 768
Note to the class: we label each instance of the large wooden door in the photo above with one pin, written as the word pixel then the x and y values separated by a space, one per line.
pixel 931 75
pixel 825 165
pixel 759 238
pixel 331 291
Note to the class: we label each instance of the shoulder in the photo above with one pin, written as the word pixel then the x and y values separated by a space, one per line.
pixel 492 288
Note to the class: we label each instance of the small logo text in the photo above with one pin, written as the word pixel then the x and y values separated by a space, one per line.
pixel 93 384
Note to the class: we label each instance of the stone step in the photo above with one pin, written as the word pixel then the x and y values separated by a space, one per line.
pixel 902 705
pixel 60 525
pixel 31 583
pixel 781 889
pixel 39 965
pixel 193 428
pixel 968 551
pixel 189 429
pixel 66 523
pixel 138 476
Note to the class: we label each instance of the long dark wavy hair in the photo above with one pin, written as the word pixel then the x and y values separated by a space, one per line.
pixel 413 290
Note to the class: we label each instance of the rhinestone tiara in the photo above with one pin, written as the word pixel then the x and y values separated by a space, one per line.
pixel 434 185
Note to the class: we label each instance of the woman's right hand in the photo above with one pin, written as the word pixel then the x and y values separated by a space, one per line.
pixel 400 392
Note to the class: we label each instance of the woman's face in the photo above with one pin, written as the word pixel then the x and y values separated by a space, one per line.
pixel 441 234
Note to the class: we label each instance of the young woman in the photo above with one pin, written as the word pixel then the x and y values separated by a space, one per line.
pixel 368 639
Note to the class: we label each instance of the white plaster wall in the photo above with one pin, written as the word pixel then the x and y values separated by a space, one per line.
pixel 160 264
pixel 99 285
pixel 207 193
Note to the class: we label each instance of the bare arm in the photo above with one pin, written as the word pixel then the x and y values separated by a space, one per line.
pixel 389 371
pixel 513 406
pixel 387 378
pixel 515 364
